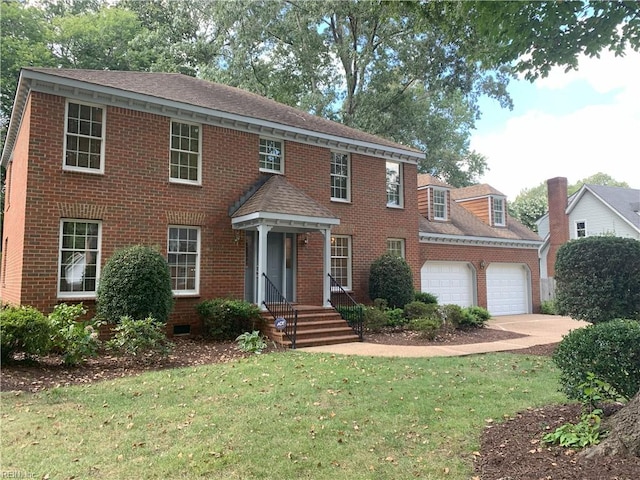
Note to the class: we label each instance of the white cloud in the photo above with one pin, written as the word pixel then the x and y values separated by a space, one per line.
pixel 537 145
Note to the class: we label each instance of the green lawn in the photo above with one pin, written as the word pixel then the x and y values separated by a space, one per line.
pixel 282 415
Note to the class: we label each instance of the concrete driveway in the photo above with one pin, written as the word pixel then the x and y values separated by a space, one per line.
pixel 539 330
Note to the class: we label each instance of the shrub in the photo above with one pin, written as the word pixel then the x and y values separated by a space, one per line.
pixel 225 319
pixel 418 309
pixel 145 337
pixel 251 342
pixel 390 278
pixel 395 317
pixel 73 339
pixel 425 297
pixel 136 283
pixel 25 330
pixel 427 327
pixel 452 314
pixel 598 279
pixel 474 317
pixel 610 350
pixel 548 307
pixel 374 319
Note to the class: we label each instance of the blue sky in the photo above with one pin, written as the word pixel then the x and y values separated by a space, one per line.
pixel 572 124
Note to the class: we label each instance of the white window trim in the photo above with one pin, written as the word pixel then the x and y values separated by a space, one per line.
pixel 492 201
pixel 575 229
pixel 349 286
pixel 269 170
pixel 400 185
pixel 402 245
pixel 94 171
pixel 182 180
pixel 196 290
pixel 446 210
pixel 348 199
pixel 78 295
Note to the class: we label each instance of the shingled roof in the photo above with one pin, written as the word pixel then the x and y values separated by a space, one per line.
pixel 206 101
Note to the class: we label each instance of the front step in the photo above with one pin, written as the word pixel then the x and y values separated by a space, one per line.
pixel 316 326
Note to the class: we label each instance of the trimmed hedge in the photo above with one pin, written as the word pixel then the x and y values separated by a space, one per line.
pixel 226 319
pixel 23 330
pixel 610 350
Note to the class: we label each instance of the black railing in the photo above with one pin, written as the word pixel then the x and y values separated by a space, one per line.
pixel 347 307
pixel 280 308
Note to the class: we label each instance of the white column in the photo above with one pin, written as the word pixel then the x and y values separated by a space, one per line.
pixel 326 283
pixel 263 231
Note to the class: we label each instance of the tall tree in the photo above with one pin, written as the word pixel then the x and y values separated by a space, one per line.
pixel 532 203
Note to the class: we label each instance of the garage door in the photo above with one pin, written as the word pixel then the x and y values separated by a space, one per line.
pixel 507 289
pixel 451 282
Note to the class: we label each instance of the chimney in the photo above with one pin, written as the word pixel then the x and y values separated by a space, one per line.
pixel 558 220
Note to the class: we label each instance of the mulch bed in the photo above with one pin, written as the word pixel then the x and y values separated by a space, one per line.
pixel 512 450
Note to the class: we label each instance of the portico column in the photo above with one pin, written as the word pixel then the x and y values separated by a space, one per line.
pixel 326 284
pixel 263 231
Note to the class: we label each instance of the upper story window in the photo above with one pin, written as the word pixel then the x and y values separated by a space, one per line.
pixel 186 159
pixel 498 211
pixel 340 171
pixel 395 246
pixel 183 257
pixel 79 258
pixel 84 138
pixel 581 229
pixel 271 155
pixel 394 184
pixel 439 204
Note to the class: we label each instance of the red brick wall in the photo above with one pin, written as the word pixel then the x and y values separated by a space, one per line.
pixel 558 220
pixel 136 202
pixel 488 255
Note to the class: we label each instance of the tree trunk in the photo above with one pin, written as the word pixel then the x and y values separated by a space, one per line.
pixel 624 433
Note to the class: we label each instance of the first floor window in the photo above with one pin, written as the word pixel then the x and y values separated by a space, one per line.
pixel 79 259
pixel 395 246
pixel 394 184
pixel 581 229
pixel 183 256
pixel 341 260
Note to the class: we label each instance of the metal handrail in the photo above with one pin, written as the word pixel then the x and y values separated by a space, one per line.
pixel 347 307
pixel 279 307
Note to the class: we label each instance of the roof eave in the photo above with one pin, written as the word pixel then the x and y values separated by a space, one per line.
pixel 426 237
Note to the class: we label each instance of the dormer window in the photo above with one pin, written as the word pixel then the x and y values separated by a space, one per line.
pixel 439 204
pixel 498 211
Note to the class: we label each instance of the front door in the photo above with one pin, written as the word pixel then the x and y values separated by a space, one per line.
pixel 280 264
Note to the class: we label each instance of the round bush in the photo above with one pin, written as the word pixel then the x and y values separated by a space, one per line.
pixel 598 279
pixel 374 319
pixel 390 278
pixel 418 309
pixel 474 317
pixel 225 319
pixel 425 297
pixel 25 330
pixel 136 283
pixel 610 350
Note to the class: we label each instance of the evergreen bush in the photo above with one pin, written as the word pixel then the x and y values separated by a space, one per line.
pixel 474 317
pixel 140 338
pixel 135 282
pixel 609 350
pixel 425 297
pixel 75 340
pixel 226 319
pixel 374 319
pixel 23 330
pixel 419 309
pixel 390 278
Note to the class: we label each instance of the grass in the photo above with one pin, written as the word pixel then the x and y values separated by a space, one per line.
pixel 287 415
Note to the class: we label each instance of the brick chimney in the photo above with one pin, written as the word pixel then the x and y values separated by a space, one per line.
pixel 558 219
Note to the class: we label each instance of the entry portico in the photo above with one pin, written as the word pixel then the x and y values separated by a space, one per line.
pixel 272 217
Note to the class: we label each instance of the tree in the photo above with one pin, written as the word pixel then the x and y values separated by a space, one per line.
pixel 532 203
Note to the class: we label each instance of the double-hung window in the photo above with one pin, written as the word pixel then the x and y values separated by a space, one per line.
pixel 439 204
pixel 395 246
pixel 497 211
pixel 84 138
pixel 271 155
pixel 341 260
pixel 340 184
pixel 581 229
pixel 394 184
pixel 183 257
pixel 186 159
pixel 79 258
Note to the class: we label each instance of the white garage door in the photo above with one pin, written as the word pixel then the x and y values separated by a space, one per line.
pixel 451 282
pixel 507 289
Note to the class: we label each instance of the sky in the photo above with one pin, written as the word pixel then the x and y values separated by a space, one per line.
pixel 572 125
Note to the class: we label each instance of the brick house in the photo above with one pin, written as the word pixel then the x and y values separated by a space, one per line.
pixel 472 252
pixel 230 186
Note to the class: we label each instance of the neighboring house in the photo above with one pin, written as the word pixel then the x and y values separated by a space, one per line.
pixel 230 186
pixel 592 210
pixel 472 252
